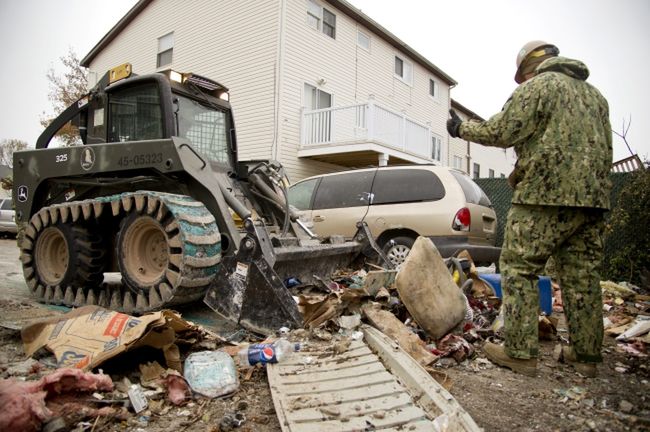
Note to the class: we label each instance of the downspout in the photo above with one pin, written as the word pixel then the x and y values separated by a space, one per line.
pixel 449 136
pixel 276 150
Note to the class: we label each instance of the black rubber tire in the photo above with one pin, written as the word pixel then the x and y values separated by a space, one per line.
pixel 86 259
pixel 397 248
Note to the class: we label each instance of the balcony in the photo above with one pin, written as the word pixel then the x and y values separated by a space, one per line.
pixel 364 134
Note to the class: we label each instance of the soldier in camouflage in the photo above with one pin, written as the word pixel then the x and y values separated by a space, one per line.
pixel 559 127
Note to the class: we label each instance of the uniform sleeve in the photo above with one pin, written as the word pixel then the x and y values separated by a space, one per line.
pixel 513 125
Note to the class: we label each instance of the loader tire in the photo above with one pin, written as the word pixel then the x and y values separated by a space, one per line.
pixel 168 250
pixel 65 255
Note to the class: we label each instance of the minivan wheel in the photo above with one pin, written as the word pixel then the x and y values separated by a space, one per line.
pixel 397 248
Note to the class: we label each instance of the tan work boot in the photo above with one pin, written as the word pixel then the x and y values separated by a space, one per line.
pixel 497 355
pixel 568 356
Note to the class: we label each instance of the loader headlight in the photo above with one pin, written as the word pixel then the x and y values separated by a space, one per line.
pixel 176 76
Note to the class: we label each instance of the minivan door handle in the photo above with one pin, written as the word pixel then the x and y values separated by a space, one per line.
pixel 318 218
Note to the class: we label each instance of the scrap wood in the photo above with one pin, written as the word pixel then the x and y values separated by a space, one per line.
pixel 388 323
pixel 441 377
pixel 616 290
pixel 318 309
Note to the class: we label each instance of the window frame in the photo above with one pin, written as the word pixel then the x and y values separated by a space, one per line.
pixel 406 66
pixel 360 33
pixel 322 26
pixel 436 138
pixel 436 89
pixel 458 166
pixel 169 50
pixel 318 91
pixel 476 170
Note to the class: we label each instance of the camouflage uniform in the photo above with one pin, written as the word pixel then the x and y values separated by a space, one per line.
pixel 559 127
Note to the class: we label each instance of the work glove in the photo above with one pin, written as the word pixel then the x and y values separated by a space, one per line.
pixel 453 124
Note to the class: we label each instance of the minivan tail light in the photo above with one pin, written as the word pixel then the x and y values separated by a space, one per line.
pixel 462 220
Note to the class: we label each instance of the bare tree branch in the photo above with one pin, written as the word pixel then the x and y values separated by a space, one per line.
pixel 623 135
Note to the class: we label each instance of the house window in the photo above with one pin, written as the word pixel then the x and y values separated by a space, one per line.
pixel 477 171
pixel 458 162
pixel 363 40
pixel 491 173
pixel 433 89
pixel 316 98
pixel 436 147
pixel 403 70
pixel 321 19
pixel 503 176
pixel 165 50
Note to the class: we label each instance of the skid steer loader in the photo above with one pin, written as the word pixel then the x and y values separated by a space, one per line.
pixel 156 193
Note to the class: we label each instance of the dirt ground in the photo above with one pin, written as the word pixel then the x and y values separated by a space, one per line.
pixel 557 399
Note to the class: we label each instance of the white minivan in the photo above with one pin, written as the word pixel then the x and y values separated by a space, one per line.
pixel 400 203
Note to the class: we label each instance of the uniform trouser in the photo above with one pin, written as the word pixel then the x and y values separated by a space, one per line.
pixel 573 236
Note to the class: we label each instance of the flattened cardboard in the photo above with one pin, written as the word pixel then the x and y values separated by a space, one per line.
pixel 90 335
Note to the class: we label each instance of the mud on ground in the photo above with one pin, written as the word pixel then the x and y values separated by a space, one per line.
pixel 557 399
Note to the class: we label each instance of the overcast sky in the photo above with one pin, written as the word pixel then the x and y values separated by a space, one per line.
pixel 473 41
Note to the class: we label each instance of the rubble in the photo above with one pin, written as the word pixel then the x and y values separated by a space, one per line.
pixel 398 303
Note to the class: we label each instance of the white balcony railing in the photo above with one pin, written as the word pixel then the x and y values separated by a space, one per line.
pixel 365 122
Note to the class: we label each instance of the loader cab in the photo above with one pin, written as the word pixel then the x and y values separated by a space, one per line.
pixel 156 106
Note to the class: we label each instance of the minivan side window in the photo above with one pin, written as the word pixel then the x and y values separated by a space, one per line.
pixel 6 205
pixel 473 192
pixel 344 190
pixel 406 185
pixel 300 194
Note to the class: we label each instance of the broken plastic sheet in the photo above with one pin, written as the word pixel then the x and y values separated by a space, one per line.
pixel 90 335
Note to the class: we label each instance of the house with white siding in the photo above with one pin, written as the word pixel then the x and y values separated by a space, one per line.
pixel 314 84
pixel 475 159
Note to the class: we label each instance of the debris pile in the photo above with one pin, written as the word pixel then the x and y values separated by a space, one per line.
pixel 439 311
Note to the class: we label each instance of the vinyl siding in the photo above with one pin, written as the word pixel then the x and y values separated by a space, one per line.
pixel 265 52
pixel 233 42
pixel 352 75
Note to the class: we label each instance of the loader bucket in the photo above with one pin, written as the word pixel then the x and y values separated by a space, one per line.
pixel 249 288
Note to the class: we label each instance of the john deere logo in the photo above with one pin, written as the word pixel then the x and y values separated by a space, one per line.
pixel 23 193
pixel 87 158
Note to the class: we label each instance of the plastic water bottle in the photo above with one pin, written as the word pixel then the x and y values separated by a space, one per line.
pixel 265 353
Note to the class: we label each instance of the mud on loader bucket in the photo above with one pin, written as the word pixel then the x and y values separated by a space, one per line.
pixel 249 287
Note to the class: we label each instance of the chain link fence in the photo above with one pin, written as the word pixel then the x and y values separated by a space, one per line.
pixel 621 240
